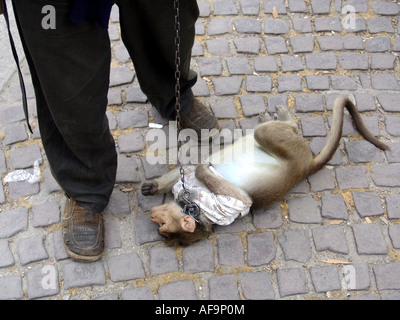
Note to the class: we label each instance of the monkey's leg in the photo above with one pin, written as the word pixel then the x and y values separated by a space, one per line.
pixel 219 185
pixel 163 184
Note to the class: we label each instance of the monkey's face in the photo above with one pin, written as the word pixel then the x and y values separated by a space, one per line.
pixel 171 219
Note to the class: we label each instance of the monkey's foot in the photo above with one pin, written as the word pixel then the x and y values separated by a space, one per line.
pixel 149 189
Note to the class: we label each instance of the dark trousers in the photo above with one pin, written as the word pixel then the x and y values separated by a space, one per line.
pixel 70 67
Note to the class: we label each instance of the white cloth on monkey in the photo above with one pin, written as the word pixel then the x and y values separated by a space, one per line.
pixel 220 209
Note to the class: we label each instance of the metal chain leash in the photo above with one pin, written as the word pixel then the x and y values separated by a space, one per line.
pixel 184 197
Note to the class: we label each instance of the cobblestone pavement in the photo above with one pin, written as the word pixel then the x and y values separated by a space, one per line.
pixel 336 235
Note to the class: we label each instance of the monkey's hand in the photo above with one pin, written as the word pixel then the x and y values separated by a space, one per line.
pixel 150 189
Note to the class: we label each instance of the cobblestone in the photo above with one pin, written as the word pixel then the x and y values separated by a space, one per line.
pixel 248 62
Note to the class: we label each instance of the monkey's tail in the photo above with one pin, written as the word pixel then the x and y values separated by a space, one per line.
pixel 336 132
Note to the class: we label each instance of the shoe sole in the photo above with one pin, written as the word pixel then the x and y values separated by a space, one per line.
pixel 81 258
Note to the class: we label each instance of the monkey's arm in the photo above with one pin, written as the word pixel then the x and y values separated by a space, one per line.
pixel 219 185
pixel 161 185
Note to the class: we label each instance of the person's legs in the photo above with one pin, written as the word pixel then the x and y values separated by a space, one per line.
pixel 70 74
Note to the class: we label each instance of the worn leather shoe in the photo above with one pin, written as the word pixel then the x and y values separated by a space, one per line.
pixel 83 232
pixel 199 117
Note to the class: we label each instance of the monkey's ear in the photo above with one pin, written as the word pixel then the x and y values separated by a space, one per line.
pixel 188 224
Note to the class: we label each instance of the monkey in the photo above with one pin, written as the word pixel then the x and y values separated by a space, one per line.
pixel 247 180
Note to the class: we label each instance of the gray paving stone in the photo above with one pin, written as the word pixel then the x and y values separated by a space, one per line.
pixel 204 8
pixel 261 248
pixel 147 203
pixel 13 221
pixel 330 238
pixel 15 132
pixel 382 61
pixel 259 84
pixel 396 45
pixel 333 207
pixel 295 245
pixel 275 45
pixel 302 25
pixel 31 249
pixel 358 5
pixel 121 54
pixel 353 61
pixel 112 121
pixel 301 44
pixel 112 234
pixel 79 274
pixel 380 24
pixel 377 44
pixel 365 101
pixel 227 85
pixel 386 175
pixel 325 278
pixel 387 276
pixel 58 246
pixel 22 189
pixel 252 104
pixel 43 282
pixel 219 26
pixel 256 286
pixel 327 24
pixel 247 25
pixel 275 26
pixel 238 65
pixel 393 206
pixel 392 125
pixel 133 118
pixel 198 257
pixel 179 290
pixel 121 75
pixel 218 47
pixel 389 101
pixel 291 63
pixel 46 214
pixel 135 94
pixel 223 287
pixel 317 82
pixel 7 259
pixel 309 102
pixel 24 157
pixel 145 230
pixel 50 183
pixel 316 146
pixel 11 114
pixel 352 42
pixel 289 83
pixel 351 177
pixel 313 127
pixel 224 109
pixel 247 45
pixel 125 267
pixel 11 287
pixel 119 204
pixel 269 218
pixel 356 277
pixel 230 251
pixel 322 180
pixel 127 170
pixel 332 42
pixel 320 6
pixel 197 49
pixel 162 260
pixel 394 234
pixel 152 171
pixel 224 7
pixel 393 155
pixel 385 8
pixel 200 89
pixel 297 6
pixel 277 100
pixel 321 61
pixel 270 4
pixel 304 210
pixel 131 142
pixel 209 66
pixel 250 7
pixel 142 293
pixel 113 32
pixel 369 239
pixel 291 281
pixel 362 151
pixel 3 165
